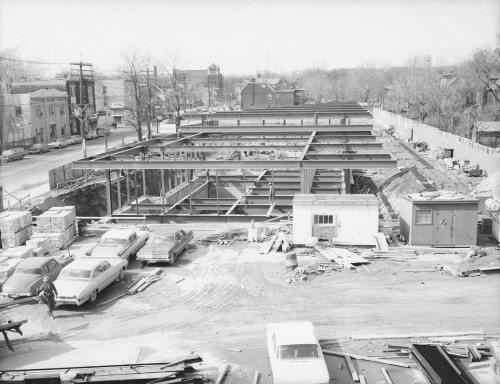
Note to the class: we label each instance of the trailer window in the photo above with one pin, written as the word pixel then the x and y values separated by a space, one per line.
pixel 323 219
pixel 423 216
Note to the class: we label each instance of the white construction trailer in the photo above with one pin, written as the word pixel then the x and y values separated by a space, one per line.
pixel 341 219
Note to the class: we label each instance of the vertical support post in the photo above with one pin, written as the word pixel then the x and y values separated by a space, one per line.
pixel 144 191
pixel 347 181
pixel 127 178
pixel 238 122
pixel 329 121
pixel 136 194
pixel 263 122
pixel 119 189
pixel 162 190
pixel 301 122
pixel 315 118
pixel 107 173
pixel 189 191
pixel 245 189
pixel 217 188
pixel 1 198
pixel 284 122
pixel 169 178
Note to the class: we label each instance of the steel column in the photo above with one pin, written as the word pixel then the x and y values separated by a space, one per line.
pixel 144 191
pixel 119 189
pixel 217 188
pixel 127 177
pixel 107 173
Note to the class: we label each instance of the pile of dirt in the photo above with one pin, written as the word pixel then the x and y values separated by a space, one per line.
pixel 489 186
pixel 476 262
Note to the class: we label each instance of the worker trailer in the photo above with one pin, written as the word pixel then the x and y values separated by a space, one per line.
pixel 341 219
pixel 439 219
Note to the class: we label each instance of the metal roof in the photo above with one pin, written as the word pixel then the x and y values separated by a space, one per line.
pixel 327 199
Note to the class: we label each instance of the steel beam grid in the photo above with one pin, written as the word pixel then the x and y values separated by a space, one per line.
pixel 360 161
pixel 274 130
pixel 248 115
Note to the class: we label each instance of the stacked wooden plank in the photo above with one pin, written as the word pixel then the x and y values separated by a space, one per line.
pixel 345 258
pixel 36 243
pixel 10 257
pixel 15 227
pixel 57 226
pixel 277 242
pixel 176 370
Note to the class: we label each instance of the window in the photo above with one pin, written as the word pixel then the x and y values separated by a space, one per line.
pixel 105 101
pixel 63 129
pixel 51 109
pixel 323 219
pixel 61 109
pixel 72 91
pixel 269 97
pixel 52 265
pixel 19 111
pixel 104 89
pixel 39 110
pixel 97 271
pixel 105 266
pixel 423 216
pixel 52 130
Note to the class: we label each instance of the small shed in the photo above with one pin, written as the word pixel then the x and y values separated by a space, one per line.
pixel 342 219
pixel 439 219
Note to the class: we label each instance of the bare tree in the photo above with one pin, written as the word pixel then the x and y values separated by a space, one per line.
pixel 138 92
pixel 176 87
pixel 316 83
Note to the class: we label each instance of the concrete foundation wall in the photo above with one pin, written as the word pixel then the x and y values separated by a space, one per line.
pixel 465 149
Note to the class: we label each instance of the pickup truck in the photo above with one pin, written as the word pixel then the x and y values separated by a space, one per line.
pixel 164 246
pixel 122 243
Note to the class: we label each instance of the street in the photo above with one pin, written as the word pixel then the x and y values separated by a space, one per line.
pixel 30 175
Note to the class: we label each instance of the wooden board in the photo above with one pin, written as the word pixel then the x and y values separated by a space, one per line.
pixel 352 369
pixel 380 242
pixel 266 247
pixel 366 358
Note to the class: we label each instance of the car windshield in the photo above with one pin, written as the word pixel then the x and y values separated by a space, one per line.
pixel 161 239
pixel 28 271
pixel 37 145
pixel 8 152
pixel 111 241
pixel 74 274
pixel 297 351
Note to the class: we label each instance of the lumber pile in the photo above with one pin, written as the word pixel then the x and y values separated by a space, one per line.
pixel 139 286
pixel 57 226
pixel 10 257
pixel 345 258
pixel 15 227
pixel 279 242
pixel 178 370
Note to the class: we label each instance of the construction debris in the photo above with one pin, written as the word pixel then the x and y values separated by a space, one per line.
pixel 138 286
pixel 307 272
pixel 178 371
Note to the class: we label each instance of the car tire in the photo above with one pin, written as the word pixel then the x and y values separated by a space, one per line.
pixel 120 275
pixel 40 151
pixel 171 261
pixel 93 296
pixel 144 264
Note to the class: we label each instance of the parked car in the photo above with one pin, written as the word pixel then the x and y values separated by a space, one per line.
pixel 122 243
pixel 164 246
pixel 75 139
pixel 39 148
pixel 7 267
pixel 29 273
pixel 13 154
pixel 58 143
pixel 295 355
pixel 82 280
pixel 91 135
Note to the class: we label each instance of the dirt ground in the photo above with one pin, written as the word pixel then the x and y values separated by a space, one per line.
pixel 230 293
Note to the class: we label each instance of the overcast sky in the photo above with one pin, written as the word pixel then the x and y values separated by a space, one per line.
pixel 244 36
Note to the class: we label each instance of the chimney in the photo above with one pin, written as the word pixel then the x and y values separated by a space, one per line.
pixel 258 75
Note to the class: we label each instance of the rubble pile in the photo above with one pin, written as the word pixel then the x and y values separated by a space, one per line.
pixel 307 272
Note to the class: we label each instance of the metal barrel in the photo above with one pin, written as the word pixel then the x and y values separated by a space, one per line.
pixel 291 261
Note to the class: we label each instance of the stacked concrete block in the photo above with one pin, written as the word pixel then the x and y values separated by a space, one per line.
pixel 10 257
pixel 15 227
pixel 57 226
pixel 17 252
pixel 37 243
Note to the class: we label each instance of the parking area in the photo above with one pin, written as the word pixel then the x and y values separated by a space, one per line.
pixel 217 299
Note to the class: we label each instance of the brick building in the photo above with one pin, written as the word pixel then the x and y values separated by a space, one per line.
pixel 37 117
pixel 263 92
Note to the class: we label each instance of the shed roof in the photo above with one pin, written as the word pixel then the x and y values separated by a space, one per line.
pixel 489 126
pixel 44 93
pixel 457 198
pixel 329 199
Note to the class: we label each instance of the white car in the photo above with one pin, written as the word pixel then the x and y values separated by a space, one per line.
pixel 83 279
pixel 295 354
pixel 122 243
pixel 58 143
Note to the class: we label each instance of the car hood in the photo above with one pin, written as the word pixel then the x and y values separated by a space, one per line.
pixel 154 249
pixel 20 283
pixel 106 251
pixel 70 288
pixel 300 371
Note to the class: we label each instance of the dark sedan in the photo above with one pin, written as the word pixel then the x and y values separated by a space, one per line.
pixel 39 148
pixel 29 273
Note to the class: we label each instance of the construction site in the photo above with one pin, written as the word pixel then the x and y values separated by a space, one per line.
pixel 316 213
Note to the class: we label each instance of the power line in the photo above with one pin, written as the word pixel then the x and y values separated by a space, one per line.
pixel 26 61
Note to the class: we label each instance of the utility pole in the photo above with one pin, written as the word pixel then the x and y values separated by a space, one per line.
pixel 81 104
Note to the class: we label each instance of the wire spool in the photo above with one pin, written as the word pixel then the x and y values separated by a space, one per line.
pixel 492 204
